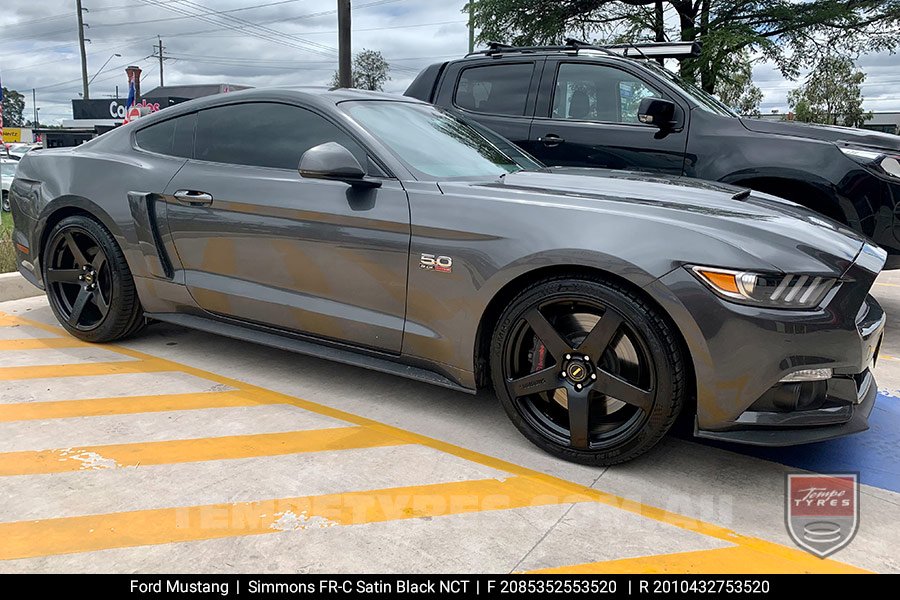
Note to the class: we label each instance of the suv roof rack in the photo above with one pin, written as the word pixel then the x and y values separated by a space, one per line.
pixel 642 50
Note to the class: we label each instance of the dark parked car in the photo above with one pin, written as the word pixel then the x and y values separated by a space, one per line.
pixel 598 304
pixel 584 106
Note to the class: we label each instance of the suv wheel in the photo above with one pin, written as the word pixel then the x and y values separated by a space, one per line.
pixel 587 370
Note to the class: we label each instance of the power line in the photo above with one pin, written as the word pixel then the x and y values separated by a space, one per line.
pixel 211 12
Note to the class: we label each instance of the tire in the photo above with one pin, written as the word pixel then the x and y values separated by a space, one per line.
pixel 85 272
pixel 594 337
pixel 5 202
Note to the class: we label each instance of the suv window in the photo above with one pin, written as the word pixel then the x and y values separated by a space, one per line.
pixel 591 92
pixel 495 89
pixel 265 134
pixel 174 137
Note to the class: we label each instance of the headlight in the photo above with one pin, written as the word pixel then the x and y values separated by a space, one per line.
pixel 769 290
pixel 883 162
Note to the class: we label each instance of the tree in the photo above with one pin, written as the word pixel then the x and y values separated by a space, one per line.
pixel 13 106
pixel 737 89
pixel 370 71
pixel 788 32
pixel 831 94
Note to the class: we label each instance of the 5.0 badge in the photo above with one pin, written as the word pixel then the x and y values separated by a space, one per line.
pixel 444 264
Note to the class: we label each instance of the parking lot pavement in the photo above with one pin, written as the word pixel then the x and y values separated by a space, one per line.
pixel 181 451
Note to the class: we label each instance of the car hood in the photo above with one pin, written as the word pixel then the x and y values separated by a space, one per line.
pixel 827 133
pixel 784 235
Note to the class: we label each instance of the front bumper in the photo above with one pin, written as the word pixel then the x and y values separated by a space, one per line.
pixel 741 353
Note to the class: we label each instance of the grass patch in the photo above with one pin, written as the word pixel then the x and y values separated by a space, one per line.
pixel 7 253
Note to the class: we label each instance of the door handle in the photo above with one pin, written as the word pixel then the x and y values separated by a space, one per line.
pixel 193 198
pixel 550 140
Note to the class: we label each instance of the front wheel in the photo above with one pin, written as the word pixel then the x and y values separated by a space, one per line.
pixel 5 204
pixel 587 370
pixel 88 282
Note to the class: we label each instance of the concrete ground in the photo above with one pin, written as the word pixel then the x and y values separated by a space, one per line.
pixel 180 451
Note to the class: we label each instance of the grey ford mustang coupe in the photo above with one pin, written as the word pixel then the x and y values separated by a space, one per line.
pixel 383 232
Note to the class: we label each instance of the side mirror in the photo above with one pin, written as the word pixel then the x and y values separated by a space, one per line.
pixel 334 162
pixel 656 111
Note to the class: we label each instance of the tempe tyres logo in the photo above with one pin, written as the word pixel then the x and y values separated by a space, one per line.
pixel 822 511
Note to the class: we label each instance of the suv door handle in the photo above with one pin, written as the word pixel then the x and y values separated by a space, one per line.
pixel 193 198
pixel 550 140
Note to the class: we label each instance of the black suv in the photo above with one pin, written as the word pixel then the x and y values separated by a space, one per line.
pixel 587 106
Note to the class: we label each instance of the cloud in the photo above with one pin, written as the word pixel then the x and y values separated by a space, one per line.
pixel 293 45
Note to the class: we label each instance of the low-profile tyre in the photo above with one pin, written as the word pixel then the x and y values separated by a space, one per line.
pixel 587 370
pixel 5 202
pixel 88 282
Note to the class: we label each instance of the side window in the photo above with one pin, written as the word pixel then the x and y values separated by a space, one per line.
pixel 586 92
pixel 265 134
pixel 495 89
pixel 174 137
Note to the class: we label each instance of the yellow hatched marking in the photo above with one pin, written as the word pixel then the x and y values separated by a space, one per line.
pixel 722 561
pixel 534 478
pixel 192 450
pixel 43 343
pixel 85 369
pixel 126 405
pixel 27 539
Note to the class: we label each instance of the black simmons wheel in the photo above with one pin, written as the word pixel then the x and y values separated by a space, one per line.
pixel 88 282
pixel 587 370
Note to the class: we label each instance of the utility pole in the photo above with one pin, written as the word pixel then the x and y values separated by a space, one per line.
pixel 84 73
pixel 34 106
pixel 345 78
pixel 160 61
pixel 471 26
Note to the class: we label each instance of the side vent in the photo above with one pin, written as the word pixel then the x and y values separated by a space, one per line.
pixel 147 234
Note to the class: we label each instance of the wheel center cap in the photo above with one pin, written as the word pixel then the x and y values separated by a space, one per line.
pixel 577 371
pixel 88 277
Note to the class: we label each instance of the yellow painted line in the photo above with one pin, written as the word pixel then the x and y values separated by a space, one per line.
pixel 62 460
pixel 774 550
pixel 84 369
pixel 42 343
pixel 722 561
pixel 887 284
pixel 126 405
pixel 28 539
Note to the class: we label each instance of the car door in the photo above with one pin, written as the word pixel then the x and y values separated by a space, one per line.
pixel 499 94
pixel 259 243
pixel 586 116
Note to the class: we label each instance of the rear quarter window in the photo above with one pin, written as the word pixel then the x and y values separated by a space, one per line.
pixel 174 137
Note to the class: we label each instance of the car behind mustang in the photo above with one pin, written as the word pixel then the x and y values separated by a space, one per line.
pixel 383 232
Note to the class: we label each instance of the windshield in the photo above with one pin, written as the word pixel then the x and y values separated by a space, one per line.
pixel 701 98
pixel 437 144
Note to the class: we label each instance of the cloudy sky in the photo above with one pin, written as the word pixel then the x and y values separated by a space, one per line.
pixel 266 42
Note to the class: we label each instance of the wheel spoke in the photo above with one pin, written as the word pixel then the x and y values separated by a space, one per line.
pixel 554 342
pixel 618 388
pixel 80 259
pixel 78 307
pixel 579 417
pixel 597 341
pixel 63 275
pixel 100 302
pixel 533 383
pixel 98 261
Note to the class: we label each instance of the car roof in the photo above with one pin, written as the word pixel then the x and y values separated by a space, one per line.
pixel 316 96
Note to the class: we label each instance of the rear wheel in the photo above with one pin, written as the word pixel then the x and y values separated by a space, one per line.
pixel 587 370
pixel 88 282
pixel 5 204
